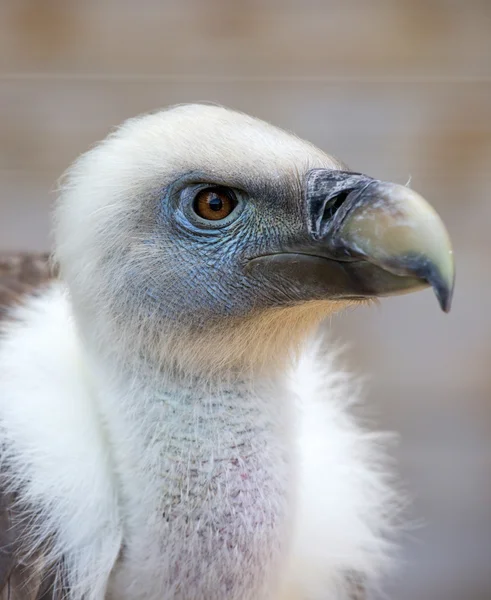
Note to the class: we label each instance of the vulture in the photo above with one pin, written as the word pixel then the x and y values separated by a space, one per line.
pixel 173 425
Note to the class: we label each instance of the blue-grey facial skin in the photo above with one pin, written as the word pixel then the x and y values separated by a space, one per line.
pixel 281 246
pixel 194 272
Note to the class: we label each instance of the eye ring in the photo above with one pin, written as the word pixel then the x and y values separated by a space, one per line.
pixel 188 195
pixel 214 203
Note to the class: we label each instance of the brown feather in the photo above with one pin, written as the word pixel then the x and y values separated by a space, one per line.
pixel 24 576
pixel 356 587
pixel 21 275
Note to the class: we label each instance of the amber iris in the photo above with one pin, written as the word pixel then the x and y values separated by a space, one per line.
pixel 214 204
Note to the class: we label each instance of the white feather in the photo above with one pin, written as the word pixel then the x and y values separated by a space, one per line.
pixel 54 446
pixel 64 461
pixel 346 502
pixel 274 492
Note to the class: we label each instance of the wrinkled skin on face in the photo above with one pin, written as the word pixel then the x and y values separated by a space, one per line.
pixel 210 280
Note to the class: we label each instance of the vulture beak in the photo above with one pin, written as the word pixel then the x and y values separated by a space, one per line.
pixel 366 238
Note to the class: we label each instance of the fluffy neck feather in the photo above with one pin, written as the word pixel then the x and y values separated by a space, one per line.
pixel 139 483
pixel 204 483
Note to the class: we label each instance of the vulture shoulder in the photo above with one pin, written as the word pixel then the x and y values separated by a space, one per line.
pixel 21 275
pixel 24 573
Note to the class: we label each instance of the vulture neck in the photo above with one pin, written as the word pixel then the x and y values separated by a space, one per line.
pixel 204 470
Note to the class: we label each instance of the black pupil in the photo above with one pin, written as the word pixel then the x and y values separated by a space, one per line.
pixel 215 203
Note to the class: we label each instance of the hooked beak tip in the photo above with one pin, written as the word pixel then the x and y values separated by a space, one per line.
pixel 390 227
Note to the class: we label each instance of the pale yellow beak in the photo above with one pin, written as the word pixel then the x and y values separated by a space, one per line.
pixel 400 232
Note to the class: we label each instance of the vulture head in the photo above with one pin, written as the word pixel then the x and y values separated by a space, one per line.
pixel 205 239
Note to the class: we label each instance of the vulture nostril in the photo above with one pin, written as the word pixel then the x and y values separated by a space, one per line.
pixel 334 205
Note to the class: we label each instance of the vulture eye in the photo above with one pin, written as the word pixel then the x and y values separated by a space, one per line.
pixel 214 203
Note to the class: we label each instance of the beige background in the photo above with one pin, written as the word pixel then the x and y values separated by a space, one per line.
pixel 397 89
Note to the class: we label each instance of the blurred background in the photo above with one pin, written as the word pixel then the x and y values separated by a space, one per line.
pixel 399 89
